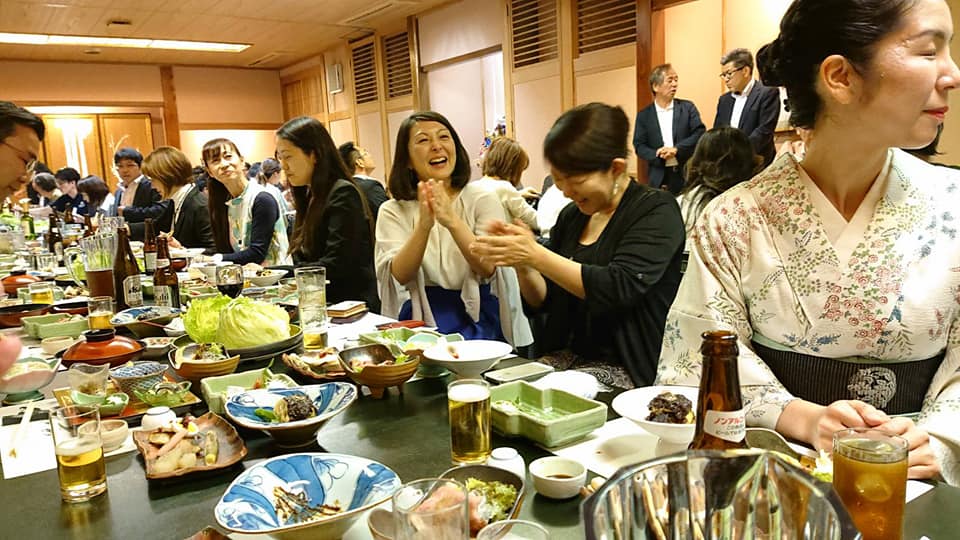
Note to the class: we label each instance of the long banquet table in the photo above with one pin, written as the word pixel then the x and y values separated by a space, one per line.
pixel 408 433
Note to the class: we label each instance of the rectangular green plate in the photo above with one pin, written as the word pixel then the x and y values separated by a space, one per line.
pixel 549 417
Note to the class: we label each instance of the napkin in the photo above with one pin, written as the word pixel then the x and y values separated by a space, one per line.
pixel 577 383
pixel 35 449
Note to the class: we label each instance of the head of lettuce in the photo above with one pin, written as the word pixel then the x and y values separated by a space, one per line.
pixel 236 323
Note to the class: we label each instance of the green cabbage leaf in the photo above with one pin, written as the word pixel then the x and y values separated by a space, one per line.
pixel 246 322
pixel 202 320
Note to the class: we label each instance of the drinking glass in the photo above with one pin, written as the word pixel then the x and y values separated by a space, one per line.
pixel 100 311
pixel 79 452
pixel 513 529
pixel 312 292
pixel 230 280
pixel 97 252
pixel 41 292
pixel 870 476
pixel 111 224
pixel 468 402
pixel 431 509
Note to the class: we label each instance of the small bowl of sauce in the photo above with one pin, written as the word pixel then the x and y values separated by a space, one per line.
pixel 557 477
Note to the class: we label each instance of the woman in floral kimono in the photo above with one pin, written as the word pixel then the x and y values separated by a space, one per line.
pixel 841 272
pixel 246 220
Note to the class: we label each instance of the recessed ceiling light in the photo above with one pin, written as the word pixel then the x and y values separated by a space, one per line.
pixel 136 43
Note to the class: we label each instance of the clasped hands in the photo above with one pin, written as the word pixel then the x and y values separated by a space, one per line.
pixel 506 244
pixel 435 204
pixel 666 152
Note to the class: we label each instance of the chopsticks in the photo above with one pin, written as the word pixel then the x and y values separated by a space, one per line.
pixel 21 428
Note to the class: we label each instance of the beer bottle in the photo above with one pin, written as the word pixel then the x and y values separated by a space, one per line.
pixel 166 286
pixel 720 417
pixel 149 247
pixel 54 239
pixel 26 222
pixel 68 214
pixel 126 273
pixel 88 223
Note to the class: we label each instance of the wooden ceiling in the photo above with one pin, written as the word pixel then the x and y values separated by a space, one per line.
pixel 282 32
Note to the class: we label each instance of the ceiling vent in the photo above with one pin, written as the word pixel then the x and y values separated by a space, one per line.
pixel 374 11
pixel 267 59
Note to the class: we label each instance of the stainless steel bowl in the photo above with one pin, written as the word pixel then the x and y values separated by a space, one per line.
pixel 710 494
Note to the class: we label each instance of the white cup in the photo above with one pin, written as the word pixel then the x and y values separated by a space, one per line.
pixel 156 417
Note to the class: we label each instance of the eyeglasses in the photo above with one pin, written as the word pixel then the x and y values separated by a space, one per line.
pixel 727 74
pixel 30 162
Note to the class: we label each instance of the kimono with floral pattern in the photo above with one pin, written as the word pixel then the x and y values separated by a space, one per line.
pixel 774 261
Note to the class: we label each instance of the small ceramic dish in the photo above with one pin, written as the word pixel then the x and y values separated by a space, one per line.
pixel 156 347
pixel 140 376
pixel 175 328
pixel 53 345
pixel 114 404
pixel 230 448
pixel 468 359
pixel 112 433
pixel 634 404
pixel 266 277
pixel 26 376
pixel 82 398
pixel 12 316
pixel 165 393
pixel 146 321
pixel 557 477
pixel 381 376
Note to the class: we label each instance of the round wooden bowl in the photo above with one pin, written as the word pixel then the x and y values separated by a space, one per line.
pixel 378 378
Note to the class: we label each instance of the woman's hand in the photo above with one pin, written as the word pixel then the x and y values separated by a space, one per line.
pixel 507 245
pixel 922 462
pixel 441 204
pixel 425 219
pixel 173 242
pixel 841 415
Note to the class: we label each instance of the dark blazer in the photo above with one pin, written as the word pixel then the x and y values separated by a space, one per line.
pixel 630 288
pixel 193 225
pixel 342 243
pixel 647 139
pixel 758 120
pixel 146 204
pixel 374 192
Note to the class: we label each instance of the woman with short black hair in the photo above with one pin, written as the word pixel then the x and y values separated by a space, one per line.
pixel 611 268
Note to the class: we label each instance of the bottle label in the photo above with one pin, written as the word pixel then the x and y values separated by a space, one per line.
pixel 166 296
pixel 162 263
pixel 727 425
pixel 149 261
pixel 132 291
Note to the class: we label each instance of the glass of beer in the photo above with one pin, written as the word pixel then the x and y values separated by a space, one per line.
pixel 97 254
pixel 431 508
pixel 79 452
pixel 870 476
pixel 468 401
pixel 312 293
pixel 100 311
pixel 41 292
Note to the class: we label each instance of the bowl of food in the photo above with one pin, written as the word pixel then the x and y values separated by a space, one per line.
pixel 208 269
pixel 103 347
pixel 113 404
pixel 112 432
pixel 164 394
pixel 11 316
pixel 175 328
pixel 558 477
pixel 196 361
pixel 139 376
pixel 145 321
pixel 71 307
pixel 377 368
pixel 26 377
pixel 53 345
pixel 498 493
pixel 291 416
pixel 307 495
pixel 665 411
pixel 156 347
pixel 468 359
pixel 264 277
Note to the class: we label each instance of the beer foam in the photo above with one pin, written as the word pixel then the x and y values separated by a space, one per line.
pixel 76 447
pixel 468 393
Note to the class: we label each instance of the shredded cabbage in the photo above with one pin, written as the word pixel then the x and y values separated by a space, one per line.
pixel 246 322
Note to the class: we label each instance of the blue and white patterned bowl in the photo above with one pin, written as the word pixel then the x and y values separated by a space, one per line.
pixel 330 399
pixel 145 321
pixel 352 483
pixel 141 376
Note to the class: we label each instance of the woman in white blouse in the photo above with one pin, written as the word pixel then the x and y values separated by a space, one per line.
pixel 503 164
pixel 425 269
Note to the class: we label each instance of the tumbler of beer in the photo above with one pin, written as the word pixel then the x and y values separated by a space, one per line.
pixel 468 401
pixel 870 476
pixel 79 452
pixel 100 311
pixel 41 292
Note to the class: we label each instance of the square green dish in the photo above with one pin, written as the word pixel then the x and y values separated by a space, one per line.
pixel 215 388
pixel 55 325
pixel 548 417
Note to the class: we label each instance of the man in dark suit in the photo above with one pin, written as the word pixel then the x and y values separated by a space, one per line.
pixel 667 131
pixel 360 163
pixel 138 200
pixel 749 105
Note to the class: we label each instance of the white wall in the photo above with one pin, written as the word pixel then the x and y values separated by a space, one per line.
pixel 460 28
pixel 536 106
pixel 255 145
pixel 370 137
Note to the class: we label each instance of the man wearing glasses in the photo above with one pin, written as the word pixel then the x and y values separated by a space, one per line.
pixel 20 134
pixel 749 105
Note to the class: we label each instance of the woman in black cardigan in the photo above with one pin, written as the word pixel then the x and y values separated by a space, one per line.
pixel 185 205
pixel 611 268
pixel 334 225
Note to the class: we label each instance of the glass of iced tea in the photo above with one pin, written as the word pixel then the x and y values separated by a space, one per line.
pixel 870 476
pixel 41 292
pixel 100 311
pixel 79 451
pixel 468 402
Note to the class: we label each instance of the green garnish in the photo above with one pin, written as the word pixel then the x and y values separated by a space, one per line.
pixel 498 495
pixel 265 414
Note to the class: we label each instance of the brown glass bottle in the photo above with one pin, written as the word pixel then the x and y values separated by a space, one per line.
pixel 68 214
pixel 166 286
pixel 149 247
pixel 126 273
pixel 720 419
pixel 54 239
pixel 90 228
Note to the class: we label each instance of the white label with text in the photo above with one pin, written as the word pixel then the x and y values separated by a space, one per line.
pixel 727 425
